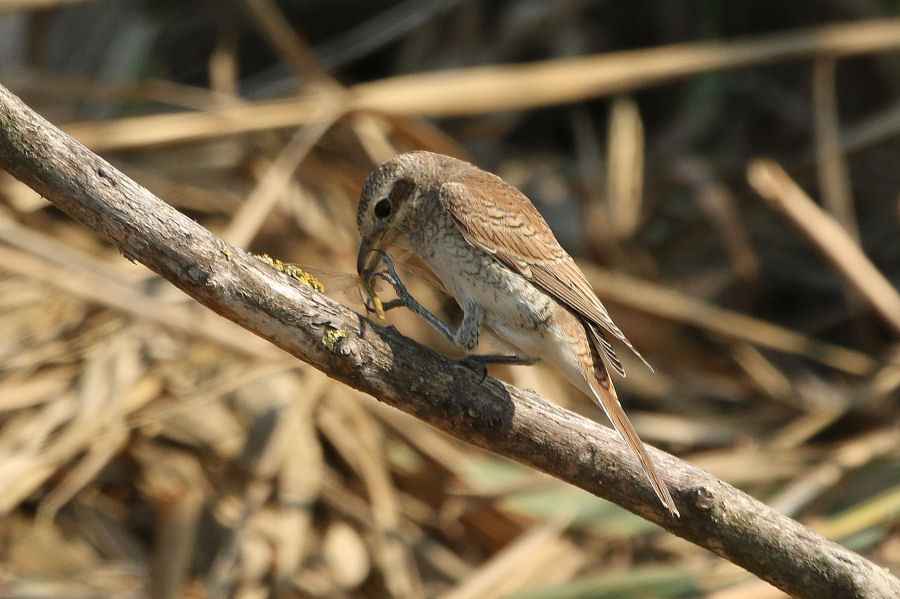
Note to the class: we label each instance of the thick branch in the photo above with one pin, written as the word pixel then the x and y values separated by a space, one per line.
pixel 402 373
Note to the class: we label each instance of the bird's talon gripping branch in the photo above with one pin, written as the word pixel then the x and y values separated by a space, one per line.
pixel 479 362
pixel 474 364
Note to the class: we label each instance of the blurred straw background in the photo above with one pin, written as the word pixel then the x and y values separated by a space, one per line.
pixel 148 448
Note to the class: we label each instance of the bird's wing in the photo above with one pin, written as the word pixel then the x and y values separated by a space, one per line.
pixel 508 226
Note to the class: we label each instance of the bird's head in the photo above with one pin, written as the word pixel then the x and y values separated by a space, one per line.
pixel 390 198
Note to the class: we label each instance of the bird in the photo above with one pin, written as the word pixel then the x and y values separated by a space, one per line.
pixel 498 258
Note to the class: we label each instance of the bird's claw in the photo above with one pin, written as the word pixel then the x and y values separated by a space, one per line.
pixel 385 306
pixel 474 364
pixel 372 302
pixel 389 274
pixel 391 304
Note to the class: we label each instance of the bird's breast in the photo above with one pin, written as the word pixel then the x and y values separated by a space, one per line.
pixel 513 307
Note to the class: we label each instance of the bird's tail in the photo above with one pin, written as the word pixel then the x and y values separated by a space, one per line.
pixel 604 394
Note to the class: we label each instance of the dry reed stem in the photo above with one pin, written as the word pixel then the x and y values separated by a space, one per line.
pixel 721 207
pixel 669 303
pixel 283 37
pixel 297 53
pixel 382 362
pixel 776 186
pixel 883 507
pixel 350 430
pixel 764 374
pixel 625 160
pixel 300 482
pixel 832 171
pixel 171 480
pixel 247 220
pixel 124 298
pixel 11 6
pixel 530 552
pixel 516 87
pixel 840 461
pixel 873 129
pixel 495 88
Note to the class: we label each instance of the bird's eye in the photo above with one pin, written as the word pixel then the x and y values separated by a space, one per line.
pixel 383 209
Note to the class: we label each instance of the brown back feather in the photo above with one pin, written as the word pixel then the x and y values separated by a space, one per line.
pixel 507 225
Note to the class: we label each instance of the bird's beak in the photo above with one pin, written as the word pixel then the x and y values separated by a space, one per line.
pixel 367 260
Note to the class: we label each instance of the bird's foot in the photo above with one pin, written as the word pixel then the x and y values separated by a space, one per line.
pixel 478 362
pixel 474 364
pixel 389 274
pixel 405 298
pixel 372 302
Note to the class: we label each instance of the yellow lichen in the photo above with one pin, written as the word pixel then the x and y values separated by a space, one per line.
pixel 293 271
pixel 227 253
pixel 330 338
